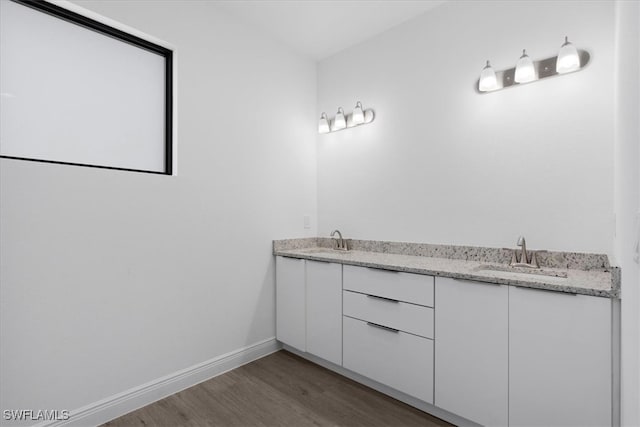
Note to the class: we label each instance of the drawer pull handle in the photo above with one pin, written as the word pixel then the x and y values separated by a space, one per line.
pixel 548 290
pixel 383 269
pixel 383 298
pixel 476 282
pixel 386 328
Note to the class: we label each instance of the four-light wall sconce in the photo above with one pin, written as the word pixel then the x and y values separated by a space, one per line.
pixel 358 117
pixel 569 59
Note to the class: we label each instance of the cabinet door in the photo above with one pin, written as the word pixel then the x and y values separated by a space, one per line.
pixel 560 359
pixel 471 350
pixel 290 302
pixel 324 310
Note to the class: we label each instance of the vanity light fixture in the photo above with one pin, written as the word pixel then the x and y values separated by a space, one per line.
pixel 323 125
pixel 568 58
pixel 488 79
pixel 358 117
pixel 339 122
pixel 525 72
pixel 358 114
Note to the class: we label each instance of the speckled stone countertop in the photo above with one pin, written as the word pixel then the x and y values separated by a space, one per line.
pixel 577 273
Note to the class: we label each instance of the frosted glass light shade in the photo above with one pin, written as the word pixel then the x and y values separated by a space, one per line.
pixel 488 79
pixel 323 124
pixel 568 58
pixel 358 114
pixel 525 71
pixel 339 122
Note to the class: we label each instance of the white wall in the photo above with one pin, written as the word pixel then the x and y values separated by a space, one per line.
pixel 444 164
pixel 111 279
pixel 627 203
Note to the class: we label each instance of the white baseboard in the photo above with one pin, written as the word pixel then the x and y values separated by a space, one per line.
pixel 120 404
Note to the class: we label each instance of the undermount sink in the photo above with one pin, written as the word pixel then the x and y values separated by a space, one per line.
pixel 326 251
pixel 506 272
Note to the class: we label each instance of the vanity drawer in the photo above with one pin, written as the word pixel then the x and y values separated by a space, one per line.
pixel 407 287
pixel 411 318
pixel 396 359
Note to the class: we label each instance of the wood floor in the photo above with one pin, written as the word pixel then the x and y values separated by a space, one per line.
pixel 281 389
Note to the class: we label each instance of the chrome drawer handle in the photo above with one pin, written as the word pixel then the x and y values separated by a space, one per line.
pixel 382 298
pixel 383 269
pixel 386 328
pixel 548 290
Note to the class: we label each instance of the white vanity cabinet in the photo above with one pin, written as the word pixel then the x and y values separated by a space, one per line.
pixel 560 359
pixel 496 355
pixel 508 355
pixel 472 360
pixel 388 328
pixel 291 302
pixel 309 306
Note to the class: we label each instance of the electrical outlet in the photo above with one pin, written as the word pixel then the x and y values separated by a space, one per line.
pixel 307 221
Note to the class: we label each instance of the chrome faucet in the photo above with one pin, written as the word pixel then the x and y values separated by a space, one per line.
pixel 341 244
pixel 524 260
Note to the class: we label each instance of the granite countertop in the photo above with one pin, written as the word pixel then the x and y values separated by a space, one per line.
pixel 586 274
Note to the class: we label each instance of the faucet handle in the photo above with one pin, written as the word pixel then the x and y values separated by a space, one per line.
pixel 514 258
pixel 534 260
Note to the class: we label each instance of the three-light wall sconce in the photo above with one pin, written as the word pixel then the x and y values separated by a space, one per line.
pixel 358 117
pixel 569 59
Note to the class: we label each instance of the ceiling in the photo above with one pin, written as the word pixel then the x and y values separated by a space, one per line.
pixel 320 28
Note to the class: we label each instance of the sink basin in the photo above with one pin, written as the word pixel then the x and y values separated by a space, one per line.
pixel 515 273
pixel 326 251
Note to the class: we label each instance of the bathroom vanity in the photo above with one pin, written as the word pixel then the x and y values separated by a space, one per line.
pixel 456 335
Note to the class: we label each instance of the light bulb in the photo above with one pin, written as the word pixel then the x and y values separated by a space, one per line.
pixel 525 71
pixel 323 125
pixel 339 122
pixel 568 58
pixel 488 79
pixel 358 114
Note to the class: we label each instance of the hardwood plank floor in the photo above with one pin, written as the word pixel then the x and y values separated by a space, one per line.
pixel 281 389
